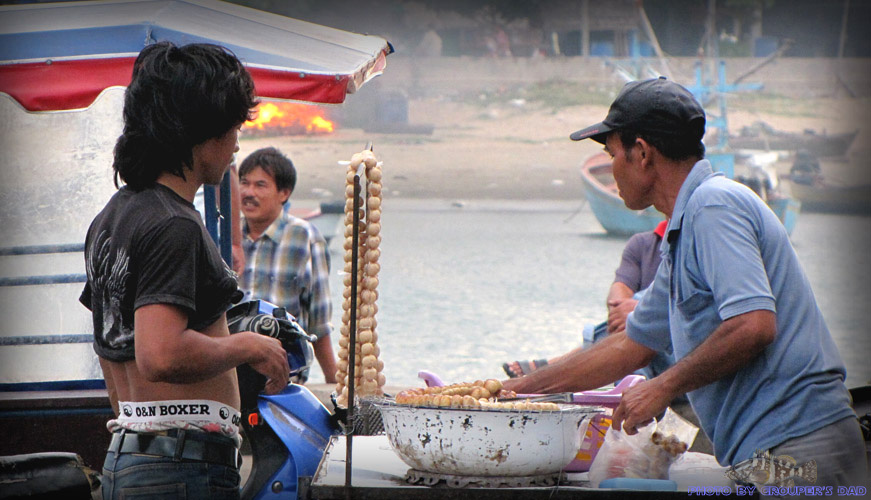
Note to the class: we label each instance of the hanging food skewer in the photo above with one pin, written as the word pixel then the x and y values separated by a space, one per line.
pixel 368 369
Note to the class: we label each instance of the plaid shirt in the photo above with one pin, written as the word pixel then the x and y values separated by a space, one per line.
pixel 289 266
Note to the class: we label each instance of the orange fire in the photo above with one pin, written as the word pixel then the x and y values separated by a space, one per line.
pixel 291 117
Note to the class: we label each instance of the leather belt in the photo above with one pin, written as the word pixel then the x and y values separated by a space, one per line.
pixel 178 444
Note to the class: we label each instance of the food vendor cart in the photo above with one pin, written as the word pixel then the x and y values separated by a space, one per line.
pixel 61 57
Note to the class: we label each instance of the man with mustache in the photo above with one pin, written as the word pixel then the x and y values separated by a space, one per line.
pixel 286 261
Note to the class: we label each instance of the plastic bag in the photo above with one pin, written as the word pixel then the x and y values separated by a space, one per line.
pixel 645 455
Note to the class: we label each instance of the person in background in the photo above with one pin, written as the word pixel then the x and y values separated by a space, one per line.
pixel 503 43
pixel 287 263
pixel 753 353
pixel 155 276
pixel 637 268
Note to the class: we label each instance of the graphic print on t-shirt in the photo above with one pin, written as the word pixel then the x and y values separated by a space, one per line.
pixel 108 275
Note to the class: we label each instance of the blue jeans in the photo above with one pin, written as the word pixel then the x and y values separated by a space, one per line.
pixel 143 477
pixel 839 451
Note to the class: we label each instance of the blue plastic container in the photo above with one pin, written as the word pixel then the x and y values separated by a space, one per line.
pixel 629 483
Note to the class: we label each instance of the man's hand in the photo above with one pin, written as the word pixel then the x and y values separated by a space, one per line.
pixel 269 359
pixel 640 404
pixel 618 311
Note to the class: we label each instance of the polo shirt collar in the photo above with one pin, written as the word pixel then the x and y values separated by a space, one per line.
pixel 700 172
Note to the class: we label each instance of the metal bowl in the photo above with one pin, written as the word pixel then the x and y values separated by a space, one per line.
pixel 485 442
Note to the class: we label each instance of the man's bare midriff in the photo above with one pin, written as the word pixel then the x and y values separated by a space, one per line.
pixel 124 382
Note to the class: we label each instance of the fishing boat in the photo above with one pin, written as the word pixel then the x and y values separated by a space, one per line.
pixel 821 192
pixel 600 190
pixel 822 197
pixel 786 209
pixel 758 173
pixel 761 136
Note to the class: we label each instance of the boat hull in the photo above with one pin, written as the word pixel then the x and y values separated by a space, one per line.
pixel 787 210
pixel 817 144
pixel 832 199
pixel 601 193
pixel 606 204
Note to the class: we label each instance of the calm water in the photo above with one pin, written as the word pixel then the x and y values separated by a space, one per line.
pixel 464 289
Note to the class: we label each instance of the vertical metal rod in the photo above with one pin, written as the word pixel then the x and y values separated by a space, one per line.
pixel 352 333
pixel 211 215
pixel 352 327
pixel 225 218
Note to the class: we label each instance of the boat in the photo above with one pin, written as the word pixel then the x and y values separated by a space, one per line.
pixel 819 193
pixel 759 175
pixel 822 197
pixel 600 190
pixel 761 136
pixel 786 209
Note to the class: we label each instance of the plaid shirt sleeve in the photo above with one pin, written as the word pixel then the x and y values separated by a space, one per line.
pixel 317 294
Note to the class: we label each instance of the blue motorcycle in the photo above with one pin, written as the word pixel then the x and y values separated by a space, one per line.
pixel 288 432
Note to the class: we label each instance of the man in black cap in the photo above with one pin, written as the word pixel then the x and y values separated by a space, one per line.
pixel 753 352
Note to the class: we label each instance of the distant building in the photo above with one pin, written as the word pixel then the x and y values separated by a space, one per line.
pixel 596 28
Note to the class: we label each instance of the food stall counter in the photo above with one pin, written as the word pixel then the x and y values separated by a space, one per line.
pixel 378 473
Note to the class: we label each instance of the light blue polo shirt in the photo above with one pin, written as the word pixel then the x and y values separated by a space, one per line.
pixel 725 253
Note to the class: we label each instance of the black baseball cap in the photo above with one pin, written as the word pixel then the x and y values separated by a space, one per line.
pixel 656 104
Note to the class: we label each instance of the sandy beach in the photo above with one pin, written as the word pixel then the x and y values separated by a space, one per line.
pixel 505 150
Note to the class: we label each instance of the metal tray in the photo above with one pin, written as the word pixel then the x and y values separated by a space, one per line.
pixel 484 441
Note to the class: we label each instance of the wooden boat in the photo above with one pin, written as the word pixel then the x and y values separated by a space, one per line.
pixel 837 185
pixel 600 190
pixel 822 197
pixel 761 136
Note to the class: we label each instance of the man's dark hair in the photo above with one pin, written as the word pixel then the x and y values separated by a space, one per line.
pixel 672 146
pixel 274 163
pixel 179 97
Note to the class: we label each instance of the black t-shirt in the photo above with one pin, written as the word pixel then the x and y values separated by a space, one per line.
pixel 150 247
